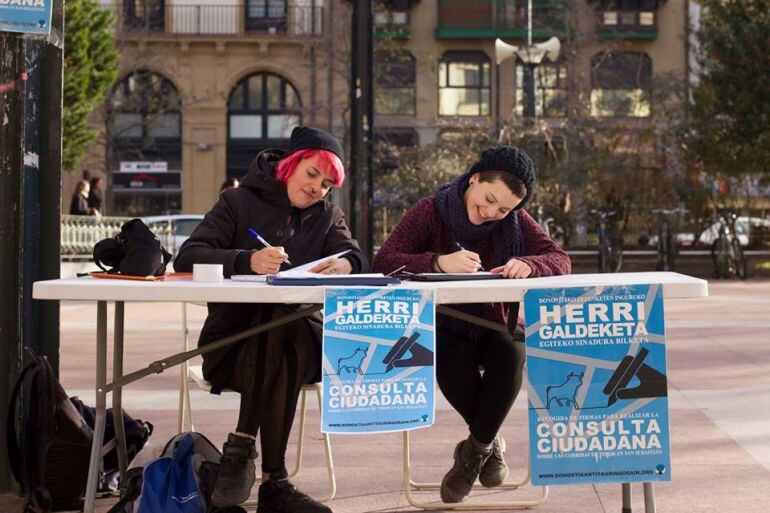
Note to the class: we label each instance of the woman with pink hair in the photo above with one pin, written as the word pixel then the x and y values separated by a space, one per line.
pixel 284 198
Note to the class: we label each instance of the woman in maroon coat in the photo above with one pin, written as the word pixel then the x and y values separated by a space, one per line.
pixel 477 222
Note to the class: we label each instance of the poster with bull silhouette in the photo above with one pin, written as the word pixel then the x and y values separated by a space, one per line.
pixel 378 360
pixel 596 368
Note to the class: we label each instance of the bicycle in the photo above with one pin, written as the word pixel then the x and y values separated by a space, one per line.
pixel 667 244
pixel 726 251
pixel 555 231
pixel 610 254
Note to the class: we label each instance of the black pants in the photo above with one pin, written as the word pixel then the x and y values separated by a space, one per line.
pixel 269 373
pixel 483 399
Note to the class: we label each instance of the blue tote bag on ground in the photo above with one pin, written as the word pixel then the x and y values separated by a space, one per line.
pixel 170 484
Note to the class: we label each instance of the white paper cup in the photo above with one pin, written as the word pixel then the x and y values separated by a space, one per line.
pixel 208 273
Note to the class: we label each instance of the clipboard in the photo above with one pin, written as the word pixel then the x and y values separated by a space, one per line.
pixel 170 276
pixel 348 279
pixel 454 276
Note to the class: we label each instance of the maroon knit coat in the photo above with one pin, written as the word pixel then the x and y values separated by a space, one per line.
pixel 422 235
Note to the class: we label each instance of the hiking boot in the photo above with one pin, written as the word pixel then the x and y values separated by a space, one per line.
pixel 457 483
pixel 494 471
pixel 280 496
pixel 237 472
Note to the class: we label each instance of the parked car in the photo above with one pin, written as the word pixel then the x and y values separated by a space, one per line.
pixel 743 227
pixel 182 226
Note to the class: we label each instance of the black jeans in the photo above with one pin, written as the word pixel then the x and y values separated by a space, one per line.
pixel 269 373
pixel 482 398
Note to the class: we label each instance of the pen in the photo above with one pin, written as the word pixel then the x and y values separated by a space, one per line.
pixel 461 248
pixel 264 242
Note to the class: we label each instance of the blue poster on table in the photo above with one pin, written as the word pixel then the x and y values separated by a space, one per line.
pixel 596 366
pixel 379 349
pixel 28 16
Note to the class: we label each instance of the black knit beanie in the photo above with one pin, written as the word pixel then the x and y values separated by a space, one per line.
pixel 309 138
pixel 511 160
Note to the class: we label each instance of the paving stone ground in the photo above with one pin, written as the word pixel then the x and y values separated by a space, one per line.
pixel 719 385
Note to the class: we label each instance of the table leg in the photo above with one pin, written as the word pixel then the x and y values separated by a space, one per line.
pixel 626 492
pixel 649 498
pixel 101 406
pixel 117 393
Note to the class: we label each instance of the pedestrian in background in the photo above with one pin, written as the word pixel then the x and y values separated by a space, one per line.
pixel 79 203
pixel 96 197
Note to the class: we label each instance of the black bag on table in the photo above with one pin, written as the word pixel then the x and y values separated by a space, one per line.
pixel 135 251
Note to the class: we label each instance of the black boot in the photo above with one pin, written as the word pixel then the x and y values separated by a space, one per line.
pixel 457 483
pixel 495 470
pixel 280 496
pixel 237 472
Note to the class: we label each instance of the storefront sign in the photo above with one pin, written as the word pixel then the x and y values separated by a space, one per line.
pixel 144 181
pixel 133 167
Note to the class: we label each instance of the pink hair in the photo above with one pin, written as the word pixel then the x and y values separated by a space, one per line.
pixel 328 161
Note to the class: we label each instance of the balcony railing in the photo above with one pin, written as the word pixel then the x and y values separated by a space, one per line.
pixel 79 234
pixel 493 18
pixel 199 19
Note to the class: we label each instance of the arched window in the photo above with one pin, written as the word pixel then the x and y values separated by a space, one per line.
pixel 621 84
pixel 145 145
pixel 261 112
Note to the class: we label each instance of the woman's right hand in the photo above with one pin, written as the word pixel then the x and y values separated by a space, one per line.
pixel 268 260
pixel 462 261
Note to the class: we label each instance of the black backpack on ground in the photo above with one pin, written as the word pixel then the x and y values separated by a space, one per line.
pixel 137 435
pixel 135 251
pixel 50 458
pixel 50 461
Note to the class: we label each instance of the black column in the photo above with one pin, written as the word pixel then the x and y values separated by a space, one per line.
pixel 30 199
pixel 362 112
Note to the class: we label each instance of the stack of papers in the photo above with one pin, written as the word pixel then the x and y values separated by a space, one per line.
pixel 303 272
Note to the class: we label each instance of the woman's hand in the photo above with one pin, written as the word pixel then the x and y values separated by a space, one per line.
pixel 514 269
pixel 462 261
pixel 333 266
pixel 268 260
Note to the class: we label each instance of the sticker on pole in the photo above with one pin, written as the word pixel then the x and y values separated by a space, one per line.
pixel 378 360
pixel 597 389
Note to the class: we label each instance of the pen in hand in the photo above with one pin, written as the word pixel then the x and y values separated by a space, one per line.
pixel 460 248
pixel 264 242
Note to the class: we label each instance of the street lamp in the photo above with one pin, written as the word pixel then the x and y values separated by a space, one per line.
pixel 531 55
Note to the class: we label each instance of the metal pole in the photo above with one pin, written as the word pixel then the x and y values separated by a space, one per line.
pixel 497 99
pixel 625 489
pixel 11 137
pixel 362 117
pixel 529 70
pixel 30 201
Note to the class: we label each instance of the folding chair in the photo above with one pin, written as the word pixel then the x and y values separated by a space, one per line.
pixel 185 423
pixel 411 486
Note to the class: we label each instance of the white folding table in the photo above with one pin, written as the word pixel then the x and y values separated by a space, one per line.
pixel 675 286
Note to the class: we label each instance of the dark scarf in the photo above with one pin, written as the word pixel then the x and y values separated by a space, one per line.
pixel 504 235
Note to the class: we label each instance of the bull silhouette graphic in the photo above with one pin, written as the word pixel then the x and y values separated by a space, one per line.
pixel 353 362
pixel 564 394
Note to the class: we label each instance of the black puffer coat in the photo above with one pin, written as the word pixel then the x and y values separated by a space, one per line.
pixel 222 237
